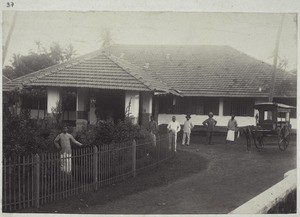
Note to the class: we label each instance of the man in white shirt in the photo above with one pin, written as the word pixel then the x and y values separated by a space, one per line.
pixel 187 128
pixel 173 128
pixel 63 142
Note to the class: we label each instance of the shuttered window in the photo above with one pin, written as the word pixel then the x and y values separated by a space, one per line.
pixel 239 106
pixel 188 105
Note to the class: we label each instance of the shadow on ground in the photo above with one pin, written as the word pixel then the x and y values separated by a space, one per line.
pixel 181 166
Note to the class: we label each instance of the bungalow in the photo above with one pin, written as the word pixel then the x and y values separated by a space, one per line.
pixel 94 86
pixel 164 80
pixel 209 78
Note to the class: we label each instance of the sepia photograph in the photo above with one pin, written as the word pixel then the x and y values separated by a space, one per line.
pixel 149 112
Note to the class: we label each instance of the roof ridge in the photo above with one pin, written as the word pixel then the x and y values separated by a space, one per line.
pixel 117 62
pixel 139 76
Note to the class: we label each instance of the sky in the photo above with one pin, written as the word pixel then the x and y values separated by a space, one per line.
pixel 251 33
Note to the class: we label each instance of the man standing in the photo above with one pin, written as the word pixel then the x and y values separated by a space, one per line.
pixel 63 142
pixel 232 128
pixel 187 127
pixel 210 124
pixel 153 128
pixel 173 128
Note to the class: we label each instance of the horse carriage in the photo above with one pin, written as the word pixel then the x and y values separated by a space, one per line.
pixel 272 120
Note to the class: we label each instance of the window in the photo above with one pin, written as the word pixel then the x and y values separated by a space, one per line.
pixel 69 99
pixel 188 105
pixel 239 106
pixel 268 115
pixel 31 102
pixel 211 105
pixel 288 101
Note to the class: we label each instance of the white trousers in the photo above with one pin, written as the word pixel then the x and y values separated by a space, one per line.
pixel 66 163
pixel 153 137
pixel 172 140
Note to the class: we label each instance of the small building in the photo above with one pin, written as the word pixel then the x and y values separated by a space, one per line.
pixel 164 80
pixel 94 86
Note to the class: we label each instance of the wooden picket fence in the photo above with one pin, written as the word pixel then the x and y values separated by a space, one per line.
pixel 31 181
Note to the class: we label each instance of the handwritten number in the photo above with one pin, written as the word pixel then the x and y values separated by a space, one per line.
pixel 10 4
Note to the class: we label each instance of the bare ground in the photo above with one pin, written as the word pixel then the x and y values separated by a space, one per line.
pixel 201 179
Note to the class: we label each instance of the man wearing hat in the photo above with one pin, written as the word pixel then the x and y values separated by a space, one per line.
pixel 210 124
pixel 187 127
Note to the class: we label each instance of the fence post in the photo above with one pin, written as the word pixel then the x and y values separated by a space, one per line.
pixel 36 180
pixel 134 158
pixel 158 147
pixel 95 163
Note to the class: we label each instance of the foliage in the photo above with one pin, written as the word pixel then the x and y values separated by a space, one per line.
pixel 22 135
pixel 37 60
pixel 57 114
pixel 109 133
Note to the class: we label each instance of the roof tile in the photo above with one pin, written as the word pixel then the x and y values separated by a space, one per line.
pixel 94 70
pixel 194 70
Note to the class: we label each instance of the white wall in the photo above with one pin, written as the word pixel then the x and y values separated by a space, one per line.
pixel 198 119
pixel 293 122
pixel 222 121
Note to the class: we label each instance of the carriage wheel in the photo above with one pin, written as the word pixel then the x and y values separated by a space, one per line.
pixel 283 142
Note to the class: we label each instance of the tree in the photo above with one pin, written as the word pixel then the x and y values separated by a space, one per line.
pixel 39 59
pixel 8 71
pixel 106 38
pixel 32 62
pixel 69 52
pixel 56 53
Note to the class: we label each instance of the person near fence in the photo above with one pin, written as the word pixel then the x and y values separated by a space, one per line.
pixel 63 142
pixel 232 128
pixel 187 128
pixel 153 128
pixel 173 128
pixel 210 124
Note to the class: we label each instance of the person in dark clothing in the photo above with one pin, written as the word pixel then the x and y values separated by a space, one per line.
pixel 210 124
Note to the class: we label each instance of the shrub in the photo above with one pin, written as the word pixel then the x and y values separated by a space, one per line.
pixel 110 133
pixel 22 135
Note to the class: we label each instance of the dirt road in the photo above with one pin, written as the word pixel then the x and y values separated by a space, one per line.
pixel 233 177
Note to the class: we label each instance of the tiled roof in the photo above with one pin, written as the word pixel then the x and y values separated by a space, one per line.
pixel 207 70
pixel 95 70
pixel 140 74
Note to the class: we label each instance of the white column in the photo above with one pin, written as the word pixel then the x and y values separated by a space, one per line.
pixel 53 97
pixel 221 107
pixel 132 100
pixel 82 104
